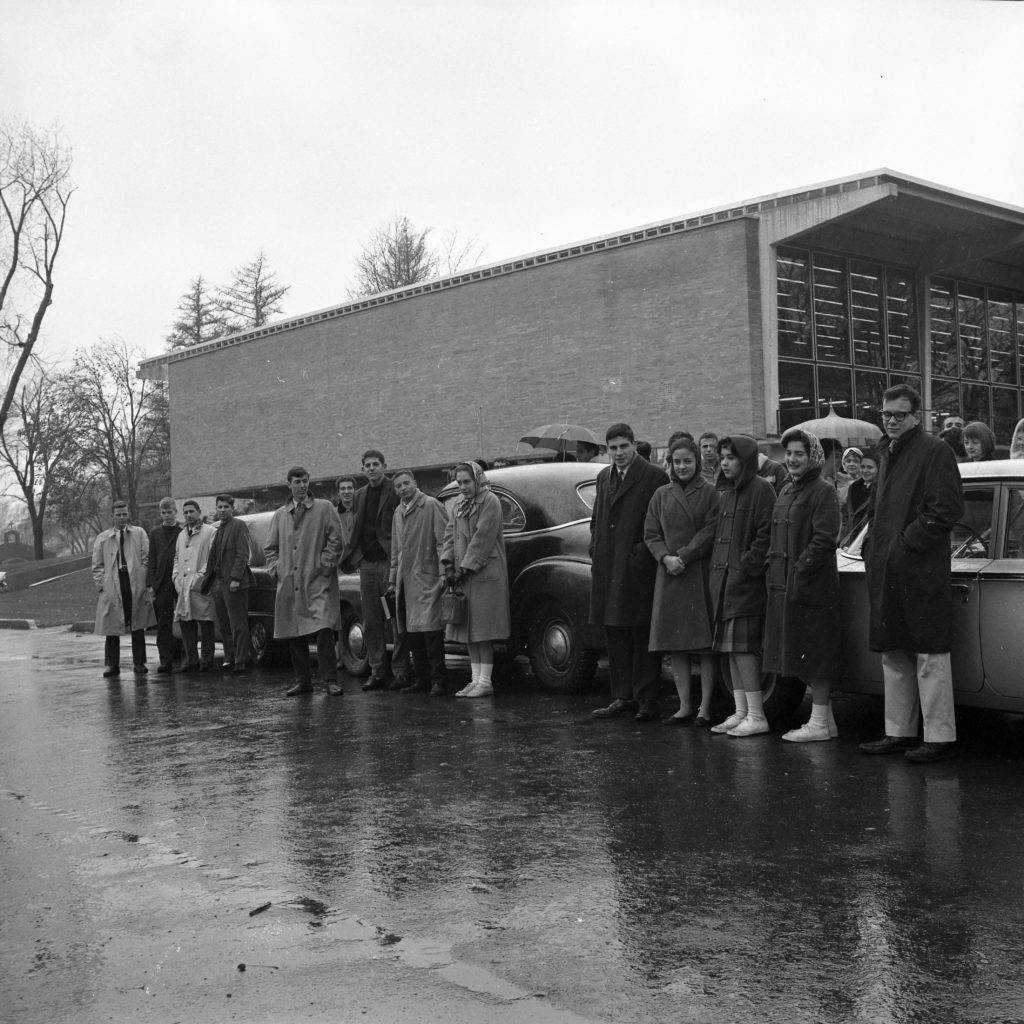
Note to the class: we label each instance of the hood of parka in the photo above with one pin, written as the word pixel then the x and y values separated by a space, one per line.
pixel 745 448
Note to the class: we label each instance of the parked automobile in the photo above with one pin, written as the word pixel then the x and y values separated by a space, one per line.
pixel 546 511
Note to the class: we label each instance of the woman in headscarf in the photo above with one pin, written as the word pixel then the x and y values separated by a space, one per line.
pixel 979 442
pixel 851 463
pixel 474 558
pixel 737 579
pixel 1017 443
pixel 803 635
pixel 679 531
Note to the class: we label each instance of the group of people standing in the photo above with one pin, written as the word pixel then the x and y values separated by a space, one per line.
pixel 732 572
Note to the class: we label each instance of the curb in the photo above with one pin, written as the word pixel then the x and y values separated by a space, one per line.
pixel 82 627
pixel 18 624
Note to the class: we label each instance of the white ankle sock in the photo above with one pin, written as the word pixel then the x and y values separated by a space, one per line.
pixel 819 716
pixel 740 697
pixel 755 704
pixel 484 674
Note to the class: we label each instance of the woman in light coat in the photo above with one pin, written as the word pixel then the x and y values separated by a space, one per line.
pixel 474 558
pixel 679 531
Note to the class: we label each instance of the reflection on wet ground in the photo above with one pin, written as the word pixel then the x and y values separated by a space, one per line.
pixel 627 872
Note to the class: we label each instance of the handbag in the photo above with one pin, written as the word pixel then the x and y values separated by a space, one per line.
pixel 454 605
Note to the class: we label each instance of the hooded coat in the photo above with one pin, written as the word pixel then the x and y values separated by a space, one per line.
pixel 681 521
pixel 741 538
pixel 918 501
pixel 109 613
pixel 302 549
pixel 623 571
pixel 417 546
pixel 803 630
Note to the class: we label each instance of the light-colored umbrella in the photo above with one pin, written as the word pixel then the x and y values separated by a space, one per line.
pixel 560 437
pixel 842 430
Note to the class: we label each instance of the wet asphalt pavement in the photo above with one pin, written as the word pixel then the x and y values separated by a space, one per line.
pixel 499 861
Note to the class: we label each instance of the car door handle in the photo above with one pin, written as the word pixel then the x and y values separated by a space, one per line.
pixel 964 590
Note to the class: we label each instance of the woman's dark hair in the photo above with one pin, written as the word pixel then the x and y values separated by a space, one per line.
pixel 689 445
pixel 978 431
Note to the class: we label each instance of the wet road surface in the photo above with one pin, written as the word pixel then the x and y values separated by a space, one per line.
pixel 505 860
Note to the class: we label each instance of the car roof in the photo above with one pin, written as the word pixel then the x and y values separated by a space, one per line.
pixel 999 469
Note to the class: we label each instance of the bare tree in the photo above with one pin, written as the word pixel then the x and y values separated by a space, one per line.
pixel 398 255
pixel 40 442
pixel 79 506
pixel 125 423
pixel 199 318
pixel 253 296
pixel 35 189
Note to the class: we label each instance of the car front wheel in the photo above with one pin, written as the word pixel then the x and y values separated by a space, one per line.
pixel 264 651
pixel 557 655
pixel 351 644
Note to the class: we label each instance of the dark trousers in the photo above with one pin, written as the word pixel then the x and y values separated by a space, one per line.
pixel 163 605
pixel 428 663
pixel 373 584
pixel 326 656
pixel 197 639
pixel 634 670
pixel 112 644
pixel 232 610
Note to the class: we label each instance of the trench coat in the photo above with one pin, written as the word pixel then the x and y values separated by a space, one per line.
pixel 623 569
pixel 681 521
pixel 190 557
pixel 109 613
pixel 803 625
pixel 741 539
pixel 918 501
pixel 302 556
pixel 417 546
pixel 475 542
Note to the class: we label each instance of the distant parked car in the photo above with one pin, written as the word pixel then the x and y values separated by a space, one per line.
pixel 546 510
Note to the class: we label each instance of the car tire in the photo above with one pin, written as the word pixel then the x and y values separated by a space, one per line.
pixel 351 648
pixel 782 696
pixel 557 656
pixel 265 652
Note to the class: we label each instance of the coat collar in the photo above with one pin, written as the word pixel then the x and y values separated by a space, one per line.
pixel 416 503
pixel 633 473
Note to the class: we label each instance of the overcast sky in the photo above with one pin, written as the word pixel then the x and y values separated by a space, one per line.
pixel 203 132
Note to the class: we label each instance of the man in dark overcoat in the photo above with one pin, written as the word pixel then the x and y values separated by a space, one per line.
pixel 918 501
pixel 623 576
pixel 228 566
pixel 163 540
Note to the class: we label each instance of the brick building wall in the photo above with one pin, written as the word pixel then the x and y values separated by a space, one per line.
pixel 664 334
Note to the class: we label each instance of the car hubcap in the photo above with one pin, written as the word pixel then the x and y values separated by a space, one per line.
pixel 355 639
pixel 557 645
pixel 258 638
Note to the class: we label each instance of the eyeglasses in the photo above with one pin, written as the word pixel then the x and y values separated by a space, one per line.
pixel 898 417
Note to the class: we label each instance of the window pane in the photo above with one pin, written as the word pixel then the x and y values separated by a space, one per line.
pixel 513 519
pixel 945 400
pixel 1013 540
pixel 975 403
pixel 794 320
pixel 866 314
pixel 796 394
pixel 901 320
pixel 831 321
pixel 1020 341
pixel 1001 342
pixel 869 396
pixel 972 535
pixel 943 333
pixel 970 307
pixel 834 388
pixel 1004 414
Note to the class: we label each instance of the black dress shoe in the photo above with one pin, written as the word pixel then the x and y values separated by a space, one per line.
pixel 241 668
pixel 888 745
pixel 928 752
pixel 397 685
pixel 206 668
pixel 140 669
pixel 112 670
pixel 186 669
pixel 616 709
pixel 334 690
pixel 438 690
pixel 679 720
pixel 299 688
pixel 373 683
pixel 164 670
pixel 646 714
pixel 414 687
pixel 702 723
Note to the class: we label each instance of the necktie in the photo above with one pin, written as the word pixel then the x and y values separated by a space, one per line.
pixel 120 544
pixel 616 480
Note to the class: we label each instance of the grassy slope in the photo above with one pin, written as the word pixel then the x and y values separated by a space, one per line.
pixel 71 599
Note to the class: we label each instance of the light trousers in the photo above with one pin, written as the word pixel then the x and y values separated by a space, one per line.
pixel 919 684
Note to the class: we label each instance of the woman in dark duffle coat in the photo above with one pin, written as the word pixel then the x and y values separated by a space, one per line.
pixel 803 631
pixel 474 558
pixel 737 579
pixel 679 531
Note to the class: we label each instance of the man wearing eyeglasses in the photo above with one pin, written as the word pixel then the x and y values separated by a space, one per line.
pixel 918 501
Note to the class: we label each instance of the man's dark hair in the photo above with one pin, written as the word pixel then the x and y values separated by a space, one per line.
pixel 296 471
pixel 898 391
pixel 403 472
pixel 619 430
pixel 644 449
pixel 226 498
pixel 120 503
pixel 345 479
pixel 373 453
pixel 190 501
pixel 708 434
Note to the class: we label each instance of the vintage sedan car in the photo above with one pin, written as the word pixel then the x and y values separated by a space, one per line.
pixel 546 511
pixel 987 549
